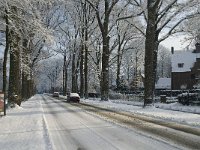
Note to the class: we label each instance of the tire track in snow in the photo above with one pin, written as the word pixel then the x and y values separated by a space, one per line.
pixel 163 131
pixel 48 144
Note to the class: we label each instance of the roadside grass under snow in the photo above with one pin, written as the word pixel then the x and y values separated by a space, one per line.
pixel 176 112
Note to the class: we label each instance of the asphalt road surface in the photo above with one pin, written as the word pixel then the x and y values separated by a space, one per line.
pixel 72 128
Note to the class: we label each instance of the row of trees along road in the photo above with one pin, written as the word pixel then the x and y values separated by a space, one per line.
pixel 92 36
pixel 24 42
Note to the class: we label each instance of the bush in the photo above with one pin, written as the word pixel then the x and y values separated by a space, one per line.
pixel 187 98
pixel 116 96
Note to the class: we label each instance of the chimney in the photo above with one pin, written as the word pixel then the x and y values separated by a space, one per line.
pixel 172 50
pixel 197 47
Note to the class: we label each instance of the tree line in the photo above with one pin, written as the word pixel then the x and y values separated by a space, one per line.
pixel 93 37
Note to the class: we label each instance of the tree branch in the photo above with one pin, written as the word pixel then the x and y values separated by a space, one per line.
pixel 180 21
pixel 165 10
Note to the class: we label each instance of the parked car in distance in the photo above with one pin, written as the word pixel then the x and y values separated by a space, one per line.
pixel 73 97
pixel 56 94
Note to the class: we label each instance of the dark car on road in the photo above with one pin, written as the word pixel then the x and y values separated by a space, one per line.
pixel 56 94
pixel 73 97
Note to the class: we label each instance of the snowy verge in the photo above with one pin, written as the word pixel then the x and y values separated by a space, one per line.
pixel 23 128
pixel 187 114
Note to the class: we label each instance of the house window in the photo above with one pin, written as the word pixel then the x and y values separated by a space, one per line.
pixel 180 65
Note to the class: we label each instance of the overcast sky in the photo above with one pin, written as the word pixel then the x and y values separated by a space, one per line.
pixel 177 42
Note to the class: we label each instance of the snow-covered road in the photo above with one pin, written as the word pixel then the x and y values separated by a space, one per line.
pixel 72 128
pixel 45 123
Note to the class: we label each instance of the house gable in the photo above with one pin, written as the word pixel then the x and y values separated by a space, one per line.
pixel 183 61
pixel 185 69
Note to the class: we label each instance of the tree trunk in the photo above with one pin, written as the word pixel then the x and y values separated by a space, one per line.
pixel 64 90
pixel 150 47
pixel 81 71
pixel 86 61
pixel 66 80
pixel 104 26
pixel 155 58
pixel 25 70
pixel 86 72
pixel 32 87
pixel 73 72
pixel 24 86
pixel 14 94
pixel 14 77
pixel 128 74
pixel 105 54
pixel 6 55
pixel 105 69
pixel 118 64
pixel 136 72
pixel 81 89
pixel 76 78
pixel 64 75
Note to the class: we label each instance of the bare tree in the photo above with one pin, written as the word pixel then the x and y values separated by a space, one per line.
pixel 104 28
pixel 159 17
pixel 18 23
pixel 163 19
pixel 164 62
pixel 14 93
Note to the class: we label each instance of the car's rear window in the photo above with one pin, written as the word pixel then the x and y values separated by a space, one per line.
pixel 74 94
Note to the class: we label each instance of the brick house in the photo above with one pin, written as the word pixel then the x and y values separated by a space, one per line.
pixel 185 69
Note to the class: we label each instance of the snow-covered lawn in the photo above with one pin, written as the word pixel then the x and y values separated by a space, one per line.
pixel 173 112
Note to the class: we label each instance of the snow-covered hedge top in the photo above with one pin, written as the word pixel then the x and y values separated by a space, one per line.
pixel 188 94
pixel 187 58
